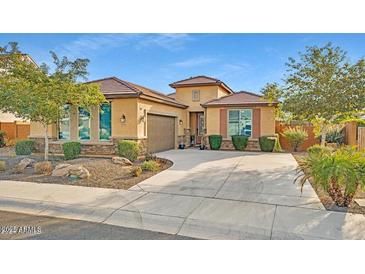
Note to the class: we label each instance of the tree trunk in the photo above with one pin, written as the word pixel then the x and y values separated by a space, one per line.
pixel 335 193
pixel 323 139
pixel 46 142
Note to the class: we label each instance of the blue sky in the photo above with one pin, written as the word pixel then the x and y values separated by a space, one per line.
pixel 242 61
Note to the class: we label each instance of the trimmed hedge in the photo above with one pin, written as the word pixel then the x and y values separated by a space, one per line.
pixel 239 142
pixel 267 143
pixel 128 149
pixel 71 150
pixel 215 141
pixel 24 147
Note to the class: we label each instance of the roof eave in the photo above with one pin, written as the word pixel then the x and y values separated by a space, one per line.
pixel 264 104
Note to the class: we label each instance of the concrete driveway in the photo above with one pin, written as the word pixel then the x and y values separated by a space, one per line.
pixel 205 194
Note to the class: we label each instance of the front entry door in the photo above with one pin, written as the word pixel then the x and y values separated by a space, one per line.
pixel 200 127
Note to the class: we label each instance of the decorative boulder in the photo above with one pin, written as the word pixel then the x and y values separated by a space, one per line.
pixel 44 167
pixel 121 161
pixel 61 170
pixel 78 171
pixel 23 164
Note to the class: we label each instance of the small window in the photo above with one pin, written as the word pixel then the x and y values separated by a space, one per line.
pixel 196 95
pixel 64 124
pixel 105 122
pixel 84 124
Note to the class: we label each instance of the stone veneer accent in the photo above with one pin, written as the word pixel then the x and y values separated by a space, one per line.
pixel 90 148
pixel 252 145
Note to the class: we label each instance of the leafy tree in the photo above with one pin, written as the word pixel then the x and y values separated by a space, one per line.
pixel 273 93
pixel 37 94
pixel 324 87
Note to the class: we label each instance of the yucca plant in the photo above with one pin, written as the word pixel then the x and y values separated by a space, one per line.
pixel 295 136
pixel 340 173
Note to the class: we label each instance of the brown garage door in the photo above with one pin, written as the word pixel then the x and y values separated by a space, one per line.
pixel 160 132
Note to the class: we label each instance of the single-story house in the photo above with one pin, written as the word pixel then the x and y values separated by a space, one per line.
pixel 200 106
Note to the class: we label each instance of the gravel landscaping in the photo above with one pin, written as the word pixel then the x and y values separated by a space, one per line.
pixel 103 172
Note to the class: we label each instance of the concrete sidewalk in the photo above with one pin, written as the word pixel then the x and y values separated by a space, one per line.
pixel 198 217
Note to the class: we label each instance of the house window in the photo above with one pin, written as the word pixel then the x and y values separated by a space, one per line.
pixel 84 124
pixel 105 122
pixel 64 124
pixel 240 122
pixel 196 95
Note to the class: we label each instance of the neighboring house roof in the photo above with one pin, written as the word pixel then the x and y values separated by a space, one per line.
pixel 172 95
pixel 201 81
pixel 242 98
pixel 24 55
pixel 114 87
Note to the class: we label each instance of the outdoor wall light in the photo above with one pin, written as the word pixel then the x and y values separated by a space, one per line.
pixel 180 122
pixel 123 120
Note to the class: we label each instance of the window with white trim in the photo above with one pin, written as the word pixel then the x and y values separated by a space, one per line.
pixel 64 124
pixel 84 124
pixel 240 122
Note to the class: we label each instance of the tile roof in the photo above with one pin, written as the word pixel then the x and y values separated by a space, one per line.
pixel 114 87
pixel 200 80
pixel 242 98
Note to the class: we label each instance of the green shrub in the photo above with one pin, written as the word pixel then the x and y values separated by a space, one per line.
pixel 267 143
pixel 24 147
pixel 71 150
pixel 2 138
pixel 239 142
pixel 128 149
pixel 150 165
pixel 215 141
pixel 295 136
pixel 335 137
pixel 317 149
pixel 340 173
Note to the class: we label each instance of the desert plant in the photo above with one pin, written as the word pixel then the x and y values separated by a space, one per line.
pixel 215 141
pixel 295 136
pixel 340 173
pixel 277 145
pixel 239 141
pixel 335 137
pixel 136 171
pixel 128 149
pixel 267 143
pixel 24 147
pixel 71 150
pixel 317 149
pixel 150 165
pixel 2 138
pixel 150 156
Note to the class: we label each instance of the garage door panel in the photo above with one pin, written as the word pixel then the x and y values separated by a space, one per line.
pixel 160 132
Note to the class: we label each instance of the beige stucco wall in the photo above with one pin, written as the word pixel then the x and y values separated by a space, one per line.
pixel 267 120
pixel 213 121
pixel 134 128
pixel 128 107
pixel 162 109
pixel 184 95
pixel 37 130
